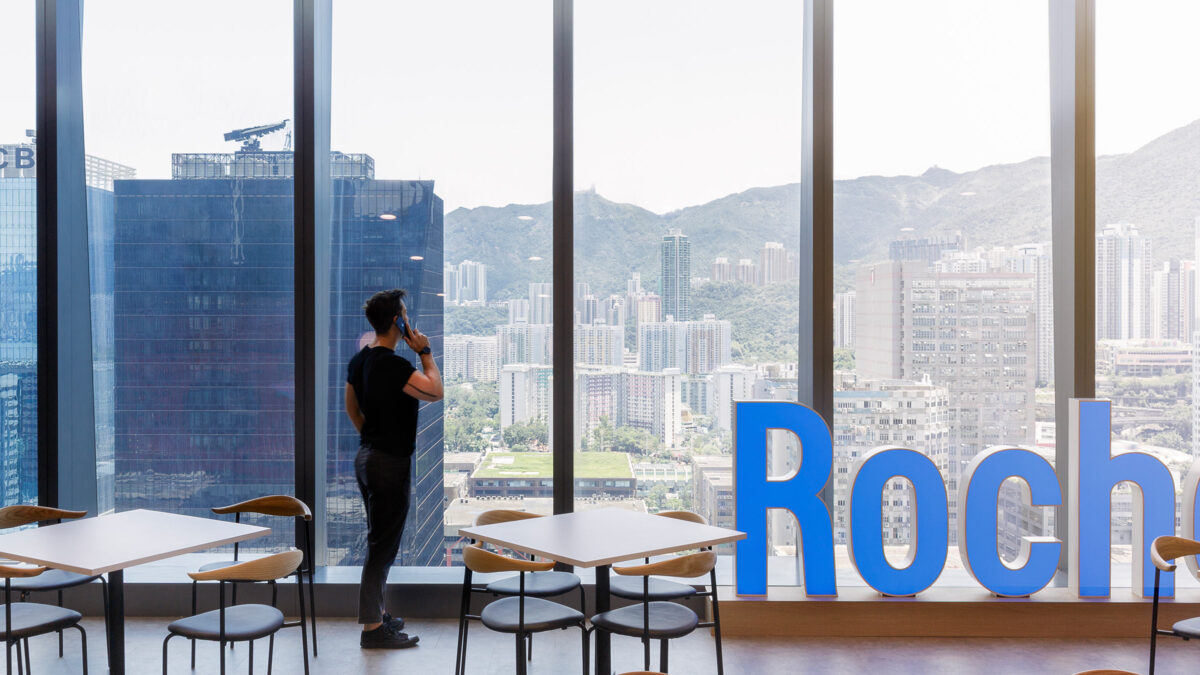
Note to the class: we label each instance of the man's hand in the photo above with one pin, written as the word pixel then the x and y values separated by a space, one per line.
pixel 416 339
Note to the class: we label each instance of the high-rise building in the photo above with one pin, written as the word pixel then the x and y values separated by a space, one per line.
pixel 648 401
pixel 728 384
pixel 471 358
pixel 988 363
pixel 694 347
pixel 649 309
pixel 451 284
pixel 843 320
pixel 1036 259
pixel 518 310
pixel 18 318
pixel 204 369
pixel 775 263
pixel 675 283
pixel 524 343
pixel 1124 281
pixel 925 249
pixel 472 279
pixel 525 394
pixel 541 302
pixel 1173 296
pixel 599 344
pixel 722 270
pixel 746 272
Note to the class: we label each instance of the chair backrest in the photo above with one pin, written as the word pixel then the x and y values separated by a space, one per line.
pixel 7 572
pixel 684 515
pixel 503 516
pixel 260 569
pixel 686 566
pixel 478 560
pixel 273 505
pixel 24 514
pixel 1167 548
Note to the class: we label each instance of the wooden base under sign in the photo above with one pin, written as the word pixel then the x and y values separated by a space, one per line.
pixel 947 612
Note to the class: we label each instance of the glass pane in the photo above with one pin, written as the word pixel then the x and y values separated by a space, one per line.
pixel 688 141
pixel 18 259
pixel 943 314
pixel 199 263
pixel 446 194
pixel 1146 125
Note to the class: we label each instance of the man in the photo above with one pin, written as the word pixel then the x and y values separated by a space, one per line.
pixel 383 391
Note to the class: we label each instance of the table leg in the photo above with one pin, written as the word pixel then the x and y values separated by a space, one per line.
pixel 116 622
pixel 603 639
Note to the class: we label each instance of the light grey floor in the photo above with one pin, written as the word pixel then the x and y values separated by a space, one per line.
pixel 558 653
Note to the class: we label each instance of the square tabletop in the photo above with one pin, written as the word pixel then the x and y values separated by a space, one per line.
pixel 601 536
pixel 115 541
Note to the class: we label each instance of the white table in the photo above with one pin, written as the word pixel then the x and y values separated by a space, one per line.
pixel 598 539
pixel 108 544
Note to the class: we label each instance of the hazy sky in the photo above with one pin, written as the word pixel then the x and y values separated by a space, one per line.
pixel 677 103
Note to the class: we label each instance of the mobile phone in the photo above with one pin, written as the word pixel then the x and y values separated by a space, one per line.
pixel 403 327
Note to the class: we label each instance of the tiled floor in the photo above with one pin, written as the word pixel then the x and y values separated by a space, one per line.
pixel 558 653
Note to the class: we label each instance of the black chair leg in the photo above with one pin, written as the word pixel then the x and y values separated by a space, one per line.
pixel 521 670
pixel 461 666
pixel 586 643
pixel 662 655
pixel 165 641
pixel 194 612
pixel 83 647
pixel 270 653
pixel 312 607
pixel 28 664
pixel 60 633
pixel 529 655
pixel 252 657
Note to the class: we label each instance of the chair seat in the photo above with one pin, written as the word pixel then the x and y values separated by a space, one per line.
pixel 667 620
pixel 1188 628
pixel 242 622
pixel 503 615
pixel 660 589
pixel 219 565
pixel 33 618
pixel 52 580
pixel 537 584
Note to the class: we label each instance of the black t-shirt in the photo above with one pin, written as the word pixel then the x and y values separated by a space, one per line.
pixel 378 376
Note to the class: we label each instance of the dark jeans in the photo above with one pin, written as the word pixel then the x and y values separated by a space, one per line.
pixel 384 479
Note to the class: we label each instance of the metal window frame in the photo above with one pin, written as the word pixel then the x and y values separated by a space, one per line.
pixel 563 258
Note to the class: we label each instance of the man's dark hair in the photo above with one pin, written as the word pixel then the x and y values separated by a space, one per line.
pixel 382 307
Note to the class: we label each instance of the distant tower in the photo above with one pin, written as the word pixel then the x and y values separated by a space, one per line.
pixel 675 283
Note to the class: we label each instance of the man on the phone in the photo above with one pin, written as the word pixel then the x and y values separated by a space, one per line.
pixel 383 391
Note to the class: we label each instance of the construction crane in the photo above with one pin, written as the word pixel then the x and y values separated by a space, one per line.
pixel 250 135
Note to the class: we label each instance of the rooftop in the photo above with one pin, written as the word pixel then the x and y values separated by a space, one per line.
pixel 540 465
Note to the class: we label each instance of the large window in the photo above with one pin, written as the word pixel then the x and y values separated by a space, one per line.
pixel 18 259
pixel 943 315
pixel 441 119
pixel 191 211
pixel 687 228
pixel 1147 131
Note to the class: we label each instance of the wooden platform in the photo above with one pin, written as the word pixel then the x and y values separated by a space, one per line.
pixel 946 612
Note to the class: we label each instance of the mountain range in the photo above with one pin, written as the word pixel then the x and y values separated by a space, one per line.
pixel 1155 187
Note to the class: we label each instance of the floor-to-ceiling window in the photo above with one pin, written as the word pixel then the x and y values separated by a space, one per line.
pixel 18 258
pixel 190 201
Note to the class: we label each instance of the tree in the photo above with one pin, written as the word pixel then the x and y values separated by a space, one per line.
pixel 526 434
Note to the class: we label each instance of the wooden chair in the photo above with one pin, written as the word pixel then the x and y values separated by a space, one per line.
pixel 660 620
pixel 274 505
pixel 521 615
pixel 24 620
pixel 52 579
pixel 537 584
pixel 1164 550
pixel 632 588
pixel 242 623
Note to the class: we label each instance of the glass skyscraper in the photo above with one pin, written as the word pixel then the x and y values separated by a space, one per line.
pixel 204 324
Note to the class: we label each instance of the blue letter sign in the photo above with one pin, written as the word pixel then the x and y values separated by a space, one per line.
pixel 755 493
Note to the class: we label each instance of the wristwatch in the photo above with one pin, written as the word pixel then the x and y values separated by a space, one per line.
pixel 425 350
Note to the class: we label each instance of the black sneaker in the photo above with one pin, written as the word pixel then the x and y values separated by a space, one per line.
pixel 395 622
pixel 385 637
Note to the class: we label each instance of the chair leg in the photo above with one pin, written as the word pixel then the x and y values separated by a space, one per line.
pixel 461 666
pixel 662 655
pixel 270 653
pixel 60 633
pixel 28 665
pixel 521 654
pixel 586 641
pixel 83 647
pixel 194 612
pixel 312 607
pixel 717 635
pixel 252 657
pixel 165 641
pixel 529 655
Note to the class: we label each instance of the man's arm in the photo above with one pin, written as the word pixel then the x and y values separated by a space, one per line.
pixel 352 409
pixel 427 385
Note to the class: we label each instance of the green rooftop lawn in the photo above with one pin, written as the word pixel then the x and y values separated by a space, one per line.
pixel 540 465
